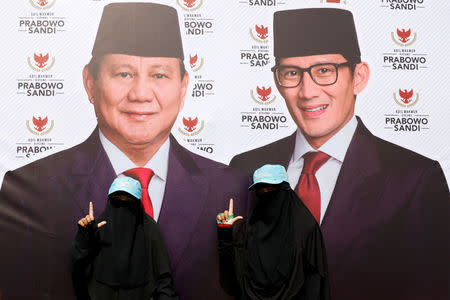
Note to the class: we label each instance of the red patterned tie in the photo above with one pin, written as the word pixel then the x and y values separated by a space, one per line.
pixel 143 175
pixel 308 187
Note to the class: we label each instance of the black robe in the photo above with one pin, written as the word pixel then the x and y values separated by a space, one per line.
pixel 278 253
pixel 125 259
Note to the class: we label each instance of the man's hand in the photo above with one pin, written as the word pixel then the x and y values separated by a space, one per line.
pixel 227 217
pixel 86 221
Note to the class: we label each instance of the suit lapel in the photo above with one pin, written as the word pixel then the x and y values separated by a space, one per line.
pixel 184 198
pixel 91 175
pixel 285 149
pixel 355 195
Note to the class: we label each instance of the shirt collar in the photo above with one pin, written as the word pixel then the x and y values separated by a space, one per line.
pixel 159 163
pixel 335 147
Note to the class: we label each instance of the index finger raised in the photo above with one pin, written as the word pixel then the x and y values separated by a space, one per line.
pixel 91 210
pixel 230 208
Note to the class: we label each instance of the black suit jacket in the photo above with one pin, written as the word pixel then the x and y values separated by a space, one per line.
pixel 41 203
pixel 386 228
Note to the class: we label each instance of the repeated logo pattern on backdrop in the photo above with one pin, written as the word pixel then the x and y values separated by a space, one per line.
pixel 202 85
pixel 232 100
pixel 39 140
pixel 40 81
pixel 404 55
pixel 41 19
pixel 191 129
pixel 194 21
pixel 257 53
pixel 403 4
pixel 263 114
pixel 36 79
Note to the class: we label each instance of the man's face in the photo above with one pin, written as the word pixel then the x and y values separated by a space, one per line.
pixel 137 99
pixel 320 111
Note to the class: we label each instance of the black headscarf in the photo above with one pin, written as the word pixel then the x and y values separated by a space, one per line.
pixel 285 251
pixel 123 257
pixel 126 258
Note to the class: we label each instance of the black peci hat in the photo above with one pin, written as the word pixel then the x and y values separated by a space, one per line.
pixel 314 31
pixel 140 29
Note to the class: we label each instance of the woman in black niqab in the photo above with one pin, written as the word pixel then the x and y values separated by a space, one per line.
pixel 278 253
pixel 122 258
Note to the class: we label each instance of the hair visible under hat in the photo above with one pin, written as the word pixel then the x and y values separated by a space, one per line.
pixel 315 31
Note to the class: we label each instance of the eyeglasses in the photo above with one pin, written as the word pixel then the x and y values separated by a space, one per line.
pixel 322 74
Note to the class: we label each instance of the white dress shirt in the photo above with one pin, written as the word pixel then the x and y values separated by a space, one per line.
pixel 336 147
pixel 159 163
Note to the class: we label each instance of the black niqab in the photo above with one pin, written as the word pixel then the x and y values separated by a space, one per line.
pixel 270 242
pixel 123 259
pixel 285 251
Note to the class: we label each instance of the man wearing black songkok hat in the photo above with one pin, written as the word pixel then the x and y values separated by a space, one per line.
pixel 137 84
pixel 383 209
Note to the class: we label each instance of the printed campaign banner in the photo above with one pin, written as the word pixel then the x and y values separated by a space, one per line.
pixel 231 105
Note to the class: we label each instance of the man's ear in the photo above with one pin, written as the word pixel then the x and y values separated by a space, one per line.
pixel 89 84
pixel 360 77
pixel 184 87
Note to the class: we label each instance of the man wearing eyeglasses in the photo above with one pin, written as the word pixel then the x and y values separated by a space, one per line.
pixel 383 209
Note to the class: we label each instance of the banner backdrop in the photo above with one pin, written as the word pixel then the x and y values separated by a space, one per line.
pixel 232 103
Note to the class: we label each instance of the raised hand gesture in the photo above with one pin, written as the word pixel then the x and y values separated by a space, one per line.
pixel 87 221
pixel 227 217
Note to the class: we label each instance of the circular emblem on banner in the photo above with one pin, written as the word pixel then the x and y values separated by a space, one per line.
pixel 191 127
pixel 406 98
pixel 42 4
pixel 190 5
pixel 263 95
pixel 195 63
pixel 259 33
pixel 403 37
pixel 41 62
pixel 40 126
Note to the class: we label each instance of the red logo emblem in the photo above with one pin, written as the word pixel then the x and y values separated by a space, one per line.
pixel 42 4
pixel 263 93
pixel 189 3
pixel 39 123
pixel 405 96
pixel 404 35
pixel 262 31
pixel 41 60
pixel 193 60
pixel 190 124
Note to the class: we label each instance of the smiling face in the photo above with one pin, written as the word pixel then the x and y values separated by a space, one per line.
pixel 136 99
pixel 321 111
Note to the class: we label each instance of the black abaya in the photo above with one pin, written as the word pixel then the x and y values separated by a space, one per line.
pixel 277 254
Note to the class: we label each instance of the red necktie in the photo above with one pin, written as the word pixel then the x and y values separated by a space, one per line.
pixel 308 187
pixel 143 175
